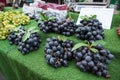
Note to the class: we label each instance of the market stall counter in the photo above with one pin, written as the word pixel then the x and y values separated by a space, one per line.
pixel 32 66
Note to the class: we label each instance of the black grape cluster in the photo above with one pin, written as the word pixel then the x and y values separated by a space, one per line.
pixel 16 38
pixel 96 63
pixel 65 27
pixel 90 30
pixel 32 43
pixel 58 52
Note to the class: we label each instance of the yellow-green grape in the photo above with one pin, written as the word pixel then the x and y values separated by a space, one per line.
pixel 20 19
pixel 6 22
pixel 9 15
pixel 4 31
pixel 9 26
pixel 1 15
pixel 9 20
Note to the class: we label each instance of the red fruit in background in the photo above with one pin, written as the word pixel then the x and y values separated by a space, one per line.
pixel 118 31
pixel 118 28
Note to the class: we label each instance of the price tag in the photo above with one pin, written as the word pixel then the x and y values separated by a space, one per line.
pixel 104 15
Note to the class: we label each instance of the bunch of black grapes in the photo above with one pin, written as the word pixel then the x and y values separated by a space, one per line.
pixel 96 63
pixel 90 30
pixel 16 37
pixel 32 43
pixel 65 27
pixel 58 52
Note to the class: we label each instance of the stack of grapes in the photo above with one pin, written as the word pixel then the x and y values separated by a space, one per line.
pixel 32 42
pixel 65 27
pixel 89 61
pixel 58 52
pixel 90 30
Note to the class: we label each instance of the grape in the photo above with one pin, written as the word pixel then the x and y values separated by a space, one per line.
pixel 16 38
pixel 20 19
pixel 1 15
pixel 16 18
pixel 88 58
pixel 58 50
pixel 30 44
pixel 99 73
pixel 65 27
pixel 95 63
pixel 90 30
pixel 10 20
pixel 4 30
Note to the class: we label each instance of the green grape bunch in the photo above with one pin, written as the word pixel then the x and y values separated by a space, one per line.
pixel 20 19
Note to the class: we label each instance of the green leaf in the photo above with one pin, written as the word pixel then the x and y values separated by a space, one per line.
pixel 34 31
pixel 94 50
pixel 31 28
pixel 63 38
pixel 43 17
pixel 92 16
pixel 25 36
pixel 99 42
pixel 15 30
pixel 82 17
pixel 51 18
pixel 69 16
pixel 85 17
pixel 79 45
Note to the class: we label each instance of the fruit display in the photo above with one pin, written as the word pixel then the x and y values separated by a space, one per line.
pixel 65 27
pixel 26 40
pixel 58 52
pixel 90 29
pixel 118 31
pixel 93 59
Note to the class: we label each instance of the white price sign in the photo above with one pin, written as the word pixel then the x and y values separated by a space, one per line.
pixel 104 15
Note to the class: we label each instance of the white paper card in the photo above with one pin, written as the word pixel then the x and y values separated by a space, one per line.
pixel 104 15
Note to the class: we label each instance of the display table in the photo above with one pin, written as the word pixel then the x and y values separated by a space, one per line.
pixel 33 66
